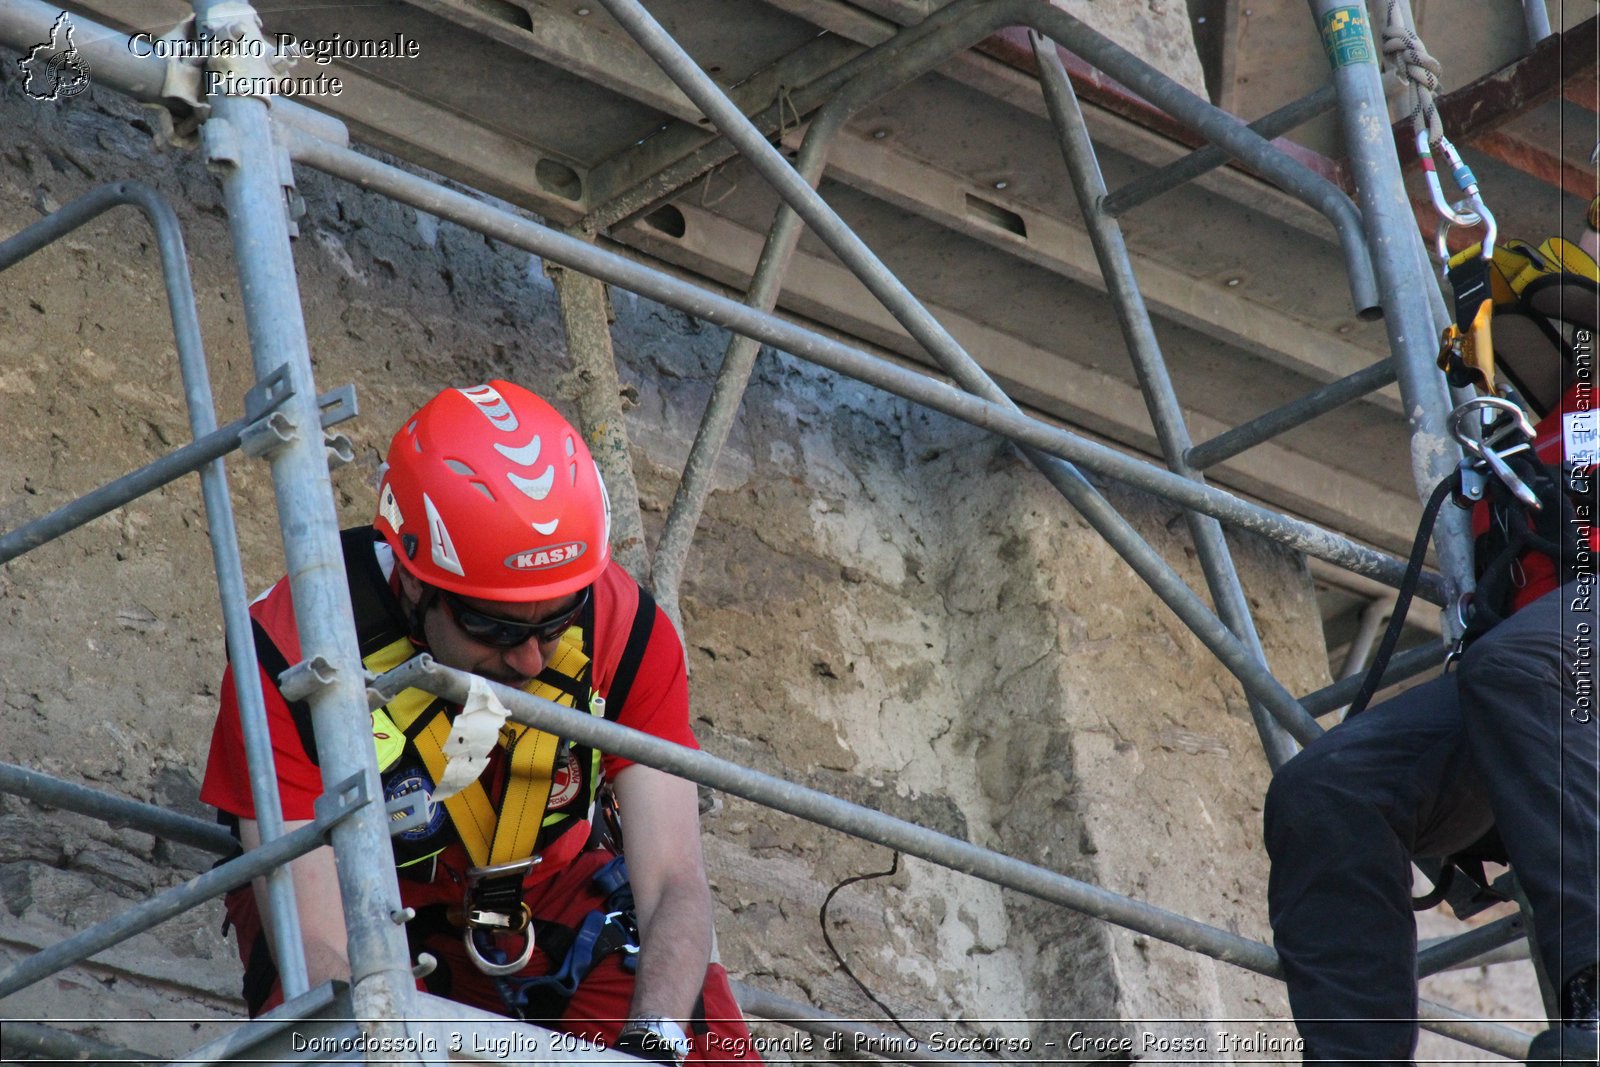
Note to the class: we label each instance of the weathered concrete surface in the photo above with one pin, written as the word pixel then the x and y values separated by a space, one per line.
pixel 881 603
pixel 1157 31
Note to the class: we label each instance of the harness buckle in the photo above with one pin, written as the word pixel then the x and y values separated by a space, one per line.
pixel 494 905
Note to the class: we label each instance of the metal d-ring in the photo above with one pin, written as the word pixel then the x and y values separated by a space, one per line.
pixel 501 970
pixel 1498 403
pixel 1490 455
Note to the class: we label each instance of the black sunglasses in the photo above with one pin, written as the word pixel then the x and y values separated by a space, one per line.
pixel 496 632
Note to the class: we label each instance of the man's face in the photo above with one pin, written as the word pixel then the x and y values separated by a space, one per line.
pixel 454 647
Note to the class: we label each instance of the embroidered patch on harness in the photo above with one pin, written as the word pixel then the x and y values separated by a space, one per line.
pixel 564 783
pixel 405 782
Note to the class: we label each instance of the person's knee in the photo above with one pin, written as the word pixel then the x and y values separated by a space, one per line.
pixel 1304 793
pixel 1511 656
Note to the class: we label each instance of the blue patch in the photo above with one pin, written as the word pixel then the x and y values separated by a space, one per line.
pixel 405 781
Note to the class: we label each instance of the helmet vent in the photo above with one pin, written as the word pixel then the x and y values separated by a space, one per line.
pixel 460 467
pixel 482 488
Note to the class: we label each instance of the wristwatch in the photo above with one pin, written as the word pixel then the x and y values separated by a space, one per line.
pixel 655 1038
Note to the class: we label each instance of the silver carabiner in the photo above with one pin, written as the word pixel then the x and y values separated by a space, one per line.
pixel 1485 450
pixel 1470 211
pixel 1520 421
pixel 1452 212
pixel 1468 183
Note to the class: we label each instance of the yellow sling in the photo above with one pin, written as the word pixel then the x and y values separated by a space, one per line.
pixel 491 836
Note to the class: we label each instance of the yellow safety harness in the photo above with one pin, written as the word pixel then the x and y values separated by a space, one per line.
pixel 1514 311
pixel 492 833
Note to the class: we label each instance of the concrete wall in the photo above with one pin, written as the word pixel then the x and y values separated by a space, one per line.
pixel 882 603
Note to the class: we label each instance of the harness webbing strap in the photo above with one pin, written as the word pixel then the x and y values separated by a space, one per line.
pixel 521 815
pixel 470 810
pixel 492 835
pixel 644 620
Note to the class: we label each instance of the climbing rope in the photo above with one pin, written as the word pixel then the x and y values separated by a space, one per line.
pixel 1419 69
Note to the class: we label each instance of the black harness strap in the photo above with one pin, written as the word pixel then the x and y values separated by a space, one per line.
pixel 644 621
pixel 273 663
pixel 379 620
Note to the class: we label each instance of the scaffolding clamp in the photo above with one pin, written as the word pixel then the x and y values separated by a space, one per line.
pixel 271 429
pixel 339 802
pixel 306 678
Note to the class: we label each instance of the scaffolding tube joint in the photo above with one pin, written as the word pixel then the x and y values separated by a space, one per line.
pixel 341 450
pixel 220 142
pixel 266 437
pixel 306 678
pixel 234 49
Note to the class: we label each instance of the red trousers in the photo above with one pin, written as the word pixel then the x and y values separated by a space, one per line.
pixel 597 1010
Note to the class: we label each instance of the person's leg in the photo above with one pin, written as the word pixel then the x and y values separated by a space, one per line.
pixel 1343 820
pixel 1529 702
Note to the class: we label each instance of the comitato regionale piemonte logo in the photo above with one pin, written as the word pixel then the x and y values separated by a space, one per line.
pixel 55 69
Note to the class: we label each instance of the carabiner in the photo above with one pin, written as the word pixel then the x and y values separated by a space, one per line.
pixel 1452 212
pixel 494 905
pixel 1486 451
pixel 1468 183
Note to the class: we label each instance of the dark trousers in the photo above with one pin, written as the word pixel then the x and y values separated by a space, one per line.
pixel 1511 738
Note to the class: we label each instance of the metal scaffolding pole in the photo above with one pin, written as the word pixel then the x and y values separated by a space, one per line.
pixel 1118 532
pixel 1295 413
pixel 239 143
pixel 1391 234
pixel 815 806
pixel 203 454
pixel 116 811
pixel 1203 160
pixel 1139 334
pixel 175 901
pixel 1406 665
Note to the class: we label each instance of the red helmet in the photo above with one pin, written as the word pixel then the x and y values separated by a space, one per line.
pixel 488 492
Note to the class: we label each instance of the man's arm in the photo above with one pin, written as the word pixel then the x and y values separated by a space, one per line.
pixel 316 892
pixel 661 819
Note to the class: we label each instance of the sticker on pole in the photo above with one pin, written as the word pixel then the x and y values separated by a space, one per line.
pixel 1345 37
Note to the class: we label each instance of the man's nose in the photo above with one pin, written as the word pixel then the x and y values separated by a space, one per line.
pixel 527 659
